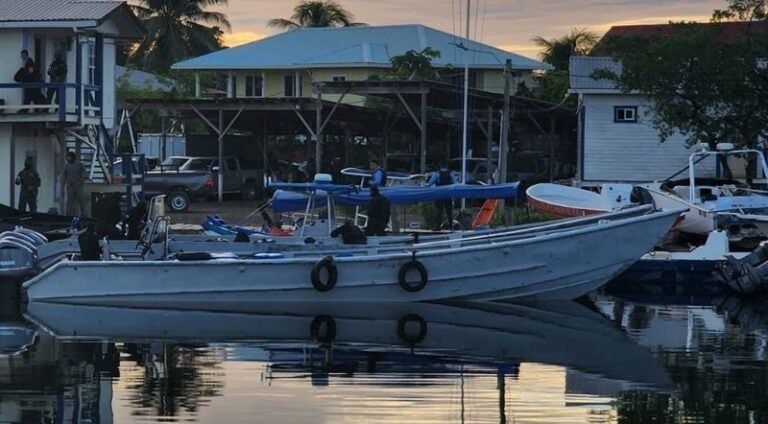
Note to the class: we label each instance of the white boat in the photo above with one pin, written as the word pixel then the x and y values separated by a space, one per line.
pixel 563 201
pixel 713 203
pixel 559 263
pixel 557 333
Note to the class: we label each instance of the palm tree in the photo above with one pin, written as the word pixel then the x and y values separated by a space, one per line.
pixel 313 14
pixel 557 51
pixel 177 30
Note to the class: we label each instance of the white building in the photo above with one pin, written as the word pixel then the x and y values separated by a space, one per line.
pixel 616 138
pixel 86 34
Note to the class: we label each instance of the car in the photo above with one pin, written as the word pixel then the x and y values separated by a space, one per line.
pixel 477 170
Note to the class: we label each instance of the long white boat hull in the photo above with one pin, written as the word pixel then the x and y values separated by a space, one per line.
pixel 561 265
pixel 694 221
pixel 561 333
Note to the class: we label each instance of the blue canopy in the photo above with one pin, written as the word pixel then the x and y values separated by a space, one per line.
pixel 286 201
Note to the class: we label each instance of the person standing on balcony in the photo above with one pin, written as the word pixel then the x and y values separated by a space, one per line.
pixel 29 180
pixel 74 181
pixel 27 73
pixel 57 72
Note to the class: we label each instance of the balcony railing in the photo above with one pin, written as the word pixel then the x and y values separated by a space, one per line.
pixel 75 102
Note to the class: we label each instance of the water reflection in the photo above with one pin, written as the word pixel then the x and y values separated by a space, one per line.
pixel 714 350
pixel 606 360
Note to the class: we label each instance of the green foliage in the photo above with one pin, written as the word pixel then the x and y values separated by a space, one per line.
pixel 520 215
pixel 413 65
pixel 314 14
pixel 176 30
pixel 552 86
pixel 557 51
pixel 705 85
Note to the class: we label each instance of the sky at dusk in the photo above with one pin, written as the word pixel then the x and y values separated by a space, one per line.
pixel 508 24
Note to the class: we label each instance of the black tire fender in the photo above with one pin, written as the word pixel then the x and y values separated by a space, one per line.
pixel 408 286
pixel 407 336
pixel 323 329
pixel 330 268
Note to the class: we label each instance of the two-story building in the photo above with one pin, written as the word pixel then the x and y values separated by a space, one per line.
pixel 288 63
pixel 85 34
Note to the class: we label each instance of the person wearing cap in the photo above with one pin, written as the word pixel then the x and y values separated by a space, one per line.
pixel 29 180
pixel 378 214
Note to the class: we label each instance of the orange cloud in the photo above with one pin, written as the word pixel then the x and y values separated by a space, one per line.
pixel 241 37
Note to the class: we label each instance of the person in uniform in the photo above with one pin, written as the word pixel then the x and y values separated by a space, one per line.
pixel 29 180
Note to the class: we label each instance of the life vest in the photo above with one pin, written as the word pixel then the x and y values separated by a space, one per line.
pixel 443 177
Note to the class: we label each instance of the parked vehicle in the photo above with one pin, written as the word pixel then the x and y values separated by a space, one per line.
pixel 477 170
pixel 184 178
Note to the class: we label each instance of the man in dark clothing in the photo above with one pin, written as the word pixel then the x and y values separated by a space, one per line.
pixel 443 177
pixel 88 241
pixel 28 73
pixel 350 233
pixel 378 214
pixel 136 221
pixel 57 72
pixel 29 180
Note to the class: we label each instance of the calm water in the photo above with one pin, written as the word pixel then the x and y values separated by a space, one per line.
pixel 675 358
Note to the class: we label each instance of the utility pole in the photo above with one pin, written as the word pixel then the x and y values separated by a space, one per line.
pixel 503 154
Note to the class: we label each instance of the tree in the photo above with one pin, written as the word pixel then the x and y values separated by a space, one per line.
pixel 552 85
pixel 705 82
pixel 176 30
pixel 414 65
pixel 316 14
pixel 557 51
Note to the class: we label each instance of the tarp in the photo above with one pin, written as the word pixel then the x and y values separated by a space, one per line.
pixel 286 201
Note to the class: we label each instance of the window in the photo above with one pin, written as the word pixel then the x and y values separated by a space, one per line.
pixel 91 62
pixel 254 86
pixel 289 84
pixel 338 78
pixel 626 114
pixel 231 164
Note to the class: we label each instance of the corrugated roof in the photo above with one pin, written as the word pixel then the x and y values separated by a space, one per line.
pixel 582 67
pixel 55 10
pixel 371 46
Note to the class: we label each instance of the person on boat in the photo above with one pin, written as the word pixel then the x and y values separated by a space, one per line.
pixel 378 175
pixel 378 214
pixel 442 177
pixel 350 233
pixel 136 220
pixel 74 180
pixel 88 241
pixel 29 180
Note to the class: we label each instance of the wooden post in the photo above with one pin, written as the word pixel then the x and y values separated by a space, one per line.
pixel 423 153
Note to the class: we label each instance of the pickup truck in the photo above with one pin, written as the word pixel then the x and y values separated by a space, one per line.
pixel 185 178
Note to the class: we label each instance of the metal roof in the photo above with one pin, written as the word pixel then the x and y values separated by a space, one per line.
pixel 55 10
pixel 363 47
pixel 582 67
pixel 140 79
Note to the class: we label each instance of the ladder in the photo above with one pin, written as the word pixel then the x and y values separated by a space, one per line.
pixel 483 218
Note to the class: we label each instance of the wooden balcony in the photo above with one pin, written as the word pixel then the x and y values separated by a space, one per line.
pixel 77 104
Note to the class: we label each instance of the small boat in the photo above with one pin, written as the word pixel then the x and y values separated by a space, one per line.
pixel 563 201
pixel 560 263
pixel 52 226
pixel 556 333
pixel 714 203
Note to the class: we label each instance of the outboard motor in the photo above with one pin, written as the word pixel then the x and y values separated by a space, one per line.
pixel 18 257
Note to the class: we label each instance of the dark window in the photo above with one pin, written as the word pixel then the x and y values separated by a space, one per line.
pixel 253 86
pixel 231 164
pixel 625 114
pixel 338 78
pixel 289 85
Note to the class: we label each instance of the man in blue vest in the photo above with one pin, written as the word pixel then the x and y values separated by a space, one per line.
pixel 443 177
pixel 378 175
